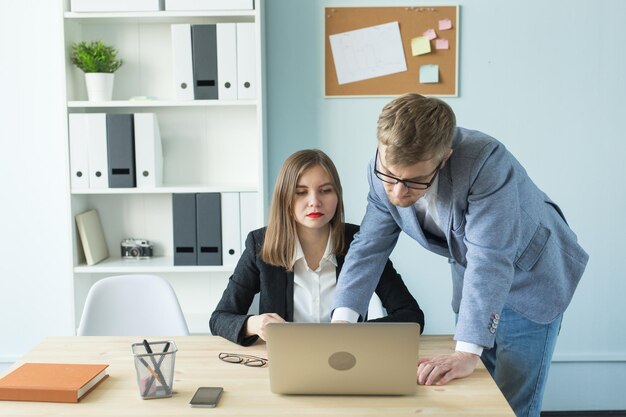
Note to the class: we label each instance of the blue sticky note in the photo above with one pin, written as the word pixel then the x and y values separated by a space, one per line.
pixel 429 74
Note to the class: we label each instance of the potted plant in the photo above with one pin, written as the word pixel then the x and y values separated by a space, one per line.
pixel 99 62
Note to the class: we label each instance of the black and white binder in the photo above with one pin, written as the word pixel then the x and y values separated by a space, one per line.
pixel 184 222
pixel 79 150
pixel 97 150
pixel 227 60
pixel 246 58
pixel 209 228
pixel 121 151
pixel 248 215
pixel 231 229
pixel 182 61
pixel 204 47
pixel 148 151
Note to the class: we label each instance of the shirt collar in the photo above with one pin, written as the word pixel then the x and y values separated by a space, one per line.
pixel 328 252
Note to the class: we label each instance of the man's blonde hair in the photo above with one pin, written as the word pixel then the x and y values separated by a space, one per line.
pixel 415 128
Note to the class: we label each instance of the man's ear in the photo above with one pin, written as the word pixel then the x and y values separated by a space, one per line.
pixel 446 157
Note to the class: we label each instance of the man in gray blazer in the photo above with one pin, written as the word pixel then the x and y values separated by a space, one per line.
pixel 515 262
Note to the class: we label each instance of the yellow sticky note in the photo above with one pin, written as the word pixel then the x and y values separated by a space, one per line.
pixel 420 45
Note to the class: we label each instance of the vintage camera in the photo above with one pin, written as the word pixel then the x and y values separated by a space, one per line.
pixel 136 249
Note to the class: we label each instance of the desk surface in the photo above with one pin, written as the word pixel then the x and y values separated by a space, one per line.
pixel 246 389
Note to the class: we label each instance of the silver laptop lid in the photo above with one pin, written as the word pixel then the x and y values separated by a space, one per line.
pixel 341 358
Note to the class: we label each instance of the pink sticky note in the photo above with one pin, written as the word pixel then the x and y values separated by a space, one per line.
pixel 430 34
pixel 441 44
pixel 445 24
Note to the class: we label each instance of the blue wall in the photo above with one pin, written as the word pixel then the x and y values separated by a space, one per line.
pixel 547 79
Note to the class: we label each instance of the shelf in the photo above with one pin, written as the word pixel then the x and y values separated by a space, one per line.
pixel 227 188
pixel 158 103
pixel 159 16
pixel 207 146
pixel 158 264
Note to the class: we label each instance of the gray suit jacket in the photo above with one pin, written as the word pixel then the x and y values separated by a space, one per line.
pixel 506 241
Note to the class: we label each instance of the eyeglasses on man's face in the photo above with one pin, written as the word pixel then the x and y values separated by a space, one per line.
pixel 415 185
pixel 247 360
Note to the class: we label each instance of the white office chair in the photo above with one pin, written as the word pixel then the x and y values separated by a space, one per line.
pixel 132 305
pixel 375 309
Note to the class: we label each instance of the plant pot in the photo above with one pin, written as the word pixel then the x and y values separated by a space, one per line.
pixel 99 86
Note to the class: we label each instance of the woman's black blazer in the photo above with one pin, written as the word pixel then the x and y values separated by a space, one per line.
pixel 275 285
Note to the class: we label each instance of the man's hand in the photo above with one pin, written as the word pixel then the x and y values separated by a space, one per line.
pixel 444 368
pixel 255 325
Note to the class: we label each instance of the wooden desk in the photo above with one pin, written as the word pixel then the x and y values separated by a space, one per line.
pixel 246 389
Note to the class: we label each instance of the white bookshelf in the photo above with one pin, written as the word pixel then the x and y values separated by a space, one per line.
pixel 209 146
pixel 163 16
pixel 226 188
pixel 158 103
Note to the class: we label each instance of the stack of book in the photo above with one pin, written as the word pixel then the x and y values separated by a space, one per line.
pixel 51 382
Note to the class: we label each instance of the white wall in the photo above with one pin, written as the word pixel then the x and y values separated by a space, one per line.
pixel 548 80
pixel 35 262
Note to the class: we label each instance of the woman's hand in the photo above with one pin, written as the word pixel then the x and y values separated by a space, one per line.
pixel 256 325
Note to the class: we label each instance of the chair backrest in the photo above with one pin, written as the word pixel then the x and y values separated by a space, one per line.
pixel 375 309
pixel 132 305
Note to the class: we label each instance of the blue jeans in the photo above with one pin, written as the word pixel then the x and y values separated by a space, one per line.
pixel 520 360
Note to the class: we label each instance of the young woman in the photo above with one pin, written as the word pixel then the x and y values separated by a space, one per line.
pixel 294 262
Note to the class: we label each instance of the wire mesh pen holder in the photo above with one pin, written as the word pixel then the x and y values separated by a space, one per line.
pixel 154 362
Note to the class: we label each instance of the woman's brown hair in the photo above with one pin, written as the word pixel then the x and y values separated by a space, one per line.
pixel 280 237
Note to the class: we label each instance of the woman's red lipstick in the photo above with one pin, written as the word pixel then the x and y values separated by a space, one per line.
pixel 315 214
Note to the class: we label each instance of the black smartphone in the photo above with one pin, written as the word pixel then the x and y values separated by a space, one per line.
pixel 206 397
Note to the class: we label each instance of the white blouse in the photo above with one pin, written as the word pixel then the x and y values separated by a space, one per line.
pixel 313 290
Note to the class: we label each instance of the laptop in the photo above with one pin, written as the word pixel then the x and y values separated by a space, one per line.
pixel 343 358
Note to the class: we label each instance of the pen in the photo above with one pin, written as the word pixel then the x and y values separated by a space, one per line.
pixel 160 377
pixel 151 380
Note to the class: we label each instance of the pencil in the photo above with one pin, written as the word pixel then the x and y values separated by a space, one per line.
pixel 149 368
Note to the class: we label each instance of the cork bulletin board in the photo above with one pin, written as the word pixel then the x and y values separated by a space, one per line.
pixel 433 73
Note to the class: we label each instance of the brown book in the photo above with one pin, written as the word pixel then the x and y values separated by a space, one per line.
pixel 51 382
